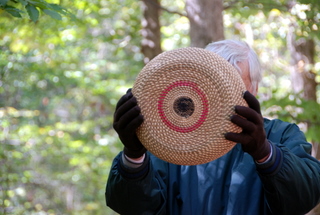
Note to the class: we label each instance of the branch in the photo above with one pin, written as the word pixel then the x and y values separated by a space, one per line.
pixel 164 9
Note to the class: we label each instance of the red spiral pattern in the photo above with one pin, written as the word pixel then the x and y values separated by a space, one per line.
pixel 204 101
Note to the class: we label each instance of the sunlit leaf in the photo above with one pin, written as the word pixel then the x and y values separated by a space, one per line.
pixel 33 12
pixel 39 3
pixel 53 14
pixel 13 11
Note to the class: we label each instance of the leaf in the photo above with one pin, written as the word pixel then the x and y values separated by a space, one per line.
pixel 23 2
pixel 33 12
pixel 59 9
pixel 39 3
pixel 56 7
pixel 3 2
pixel 13 11
pixel 62 11
pixel 53 14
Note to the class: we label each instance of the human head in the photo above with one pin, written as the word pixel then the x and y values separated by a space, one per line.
pixel 243 58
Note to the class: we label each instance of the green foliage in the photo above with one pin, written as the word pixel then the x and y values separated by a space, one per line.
pixel 292 108
pixel 33 8
pixel 304 13
pixel 174 27
pixel 33 12
pixel 59 83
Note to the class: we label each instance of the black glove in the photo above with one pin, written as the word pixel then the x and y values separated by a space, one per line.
pixel 127 118
pixel 253 136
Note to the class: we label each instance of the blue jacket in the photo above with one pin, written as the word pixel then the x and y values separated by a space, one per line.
pixel 289 183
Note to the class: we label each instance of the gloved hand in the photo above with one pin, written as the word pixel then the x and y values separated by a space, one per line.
pixel 127 118
pixel 253 137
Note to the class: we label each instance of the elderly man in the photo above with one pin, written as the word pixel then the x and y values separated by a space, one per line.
pixel 269 171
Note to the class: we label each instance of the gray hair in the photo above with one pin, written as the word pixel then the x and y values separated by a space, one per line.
pixel 236 51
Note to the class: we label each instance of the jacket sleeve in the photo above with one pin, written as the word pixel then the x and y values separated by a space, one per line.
pixel 291 179
pixel 137 191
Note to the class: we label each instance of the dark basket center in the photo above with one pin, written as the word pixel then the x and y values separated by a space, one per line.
pixel 183 106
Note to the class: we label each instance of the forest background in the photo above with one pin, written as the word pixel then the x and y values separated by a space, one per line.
pixel 65 64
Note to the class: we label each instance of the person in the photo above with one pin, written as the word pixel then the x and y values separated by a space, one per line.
pixel 269 171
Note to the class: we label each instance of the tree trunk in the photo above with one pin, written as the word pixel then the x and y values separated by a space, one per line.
pixel 206 21
pixel 151 42
pixel 303 78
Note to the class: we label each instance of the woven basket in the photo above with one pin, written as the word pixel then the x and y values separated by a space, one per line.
pixel 187 96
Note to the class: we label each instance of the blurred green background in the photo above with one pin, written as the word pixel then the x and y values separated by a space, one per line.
pixel 64 65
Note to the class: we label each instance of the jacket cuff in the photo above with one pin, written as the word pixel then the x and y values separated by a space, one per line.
pixel 272 166
pixel 133 173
